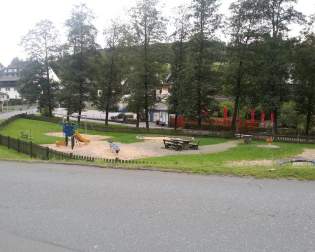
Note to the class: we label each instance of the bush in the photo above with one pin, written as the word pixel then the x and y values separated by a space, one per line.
pixel 289 116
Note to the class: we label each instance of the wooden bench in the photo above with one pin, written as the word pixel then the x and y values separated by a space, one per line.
pixel 170 144
pixel 180 144
pixel 247 138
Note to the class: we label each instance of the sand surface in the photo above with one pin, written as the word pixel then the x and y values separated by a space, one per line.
pixel 99 147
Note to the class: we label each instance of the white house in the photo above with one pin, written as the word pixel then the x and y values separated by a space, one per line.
pixel 9 78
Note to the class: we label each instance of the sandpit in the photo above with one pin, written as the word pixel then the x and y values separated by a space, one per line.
pixel 99 147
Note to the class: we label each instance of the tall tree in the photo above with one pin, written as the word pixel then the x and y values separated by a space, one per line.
pixel 180 36
pixel 148 27
pixel 206 22
pixel 278 15
pixel 244 29
pixel 41 45
pixel 81 44
pixel 304 76
pixel 108 65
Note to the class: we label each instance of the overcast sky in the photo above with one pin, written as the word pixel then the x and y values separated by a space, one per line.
pixel 18 16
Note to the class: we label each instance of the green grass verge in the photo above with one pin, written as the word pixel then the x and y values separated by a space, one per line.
pixel 219 163
pixel 8 154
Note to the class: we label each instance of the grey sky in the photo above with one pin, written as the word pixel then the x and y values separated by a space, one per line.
pixel 18 16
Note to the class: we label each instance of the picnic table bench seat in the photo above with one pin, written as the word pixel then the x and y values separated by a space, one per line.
pixel 180 144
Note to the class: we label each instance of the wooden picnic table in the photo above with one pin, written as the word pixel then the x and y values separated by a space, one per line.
pixel 247 138
pixel 179 144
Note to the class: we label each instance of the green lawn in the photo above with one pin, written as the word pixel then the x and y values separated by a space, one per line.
pixel 39 129
pixel 219 163
pixel 8 154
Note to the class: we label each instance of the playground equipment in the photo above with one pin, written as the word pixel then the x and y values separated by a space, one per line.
pixel 70 131
pixel 114 148
pixel 269 140
pixel 61 143
pixel 81 138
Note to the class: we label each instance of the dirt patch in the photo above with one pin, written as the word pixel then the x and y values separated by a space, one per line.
pixel 251 163
pixel 268 146
pixel 308 154
pixel 151 147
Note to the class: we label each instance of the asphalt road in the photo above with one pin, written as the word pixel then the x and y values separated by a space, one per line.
pixel 72 208
pixel 7 115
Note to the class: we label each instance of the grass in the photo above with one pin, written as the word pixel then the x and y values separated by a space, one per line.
pixel 8 154
pixel 36 129
pixel 39 129
pixel 219 163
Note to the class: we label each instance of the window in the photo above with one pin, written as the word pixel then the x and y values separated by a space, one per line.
pixel 7 89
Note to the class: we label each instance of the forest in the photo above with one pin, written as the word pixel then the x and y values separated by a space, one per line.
pixel 260 65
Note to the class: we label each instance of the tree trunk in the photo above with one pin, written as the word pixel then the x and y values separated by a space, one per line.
pixel 275 122
pixel 107 116
pixel 146 72
pixel 199 78
pixel 50 112
pixel 175 123
pixel 138 120
pixel 235 113
pixel 79 114
pixel 308 117
pixel 107 111
pixel 238 96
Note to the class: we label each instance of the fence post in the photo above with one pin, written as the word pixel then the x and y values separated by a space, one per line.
pixel 18 145
pixel 8 142
pixel 31 149
pixel 47 153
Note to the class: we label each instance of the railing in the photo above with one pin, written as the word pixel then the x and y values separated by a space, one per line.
pixel 286 139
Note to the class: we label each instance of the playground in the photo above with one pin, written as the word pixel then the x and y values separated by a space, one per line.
pixel 100 147
pixel 212 156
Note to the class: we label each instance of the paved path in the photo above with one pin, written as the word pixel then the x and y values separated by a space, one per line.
pixel 71 208
pixel 7 115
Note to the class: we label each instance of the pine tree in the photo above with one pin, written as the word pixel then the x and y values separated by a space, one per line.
pixel 81 45
pixel 206 22
pixel 148 28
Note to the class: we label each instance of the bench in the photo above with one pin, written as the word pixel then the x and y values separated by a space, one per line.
pixel 247 138
pixel 180 144
pixel 170 144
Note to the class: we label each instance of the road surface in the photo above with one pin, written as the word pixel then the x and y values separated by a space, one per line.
pixel 72 208
pixel 7 115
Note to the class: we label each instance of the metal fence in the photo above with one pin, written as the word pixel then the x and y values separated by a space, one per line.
pixel 44 153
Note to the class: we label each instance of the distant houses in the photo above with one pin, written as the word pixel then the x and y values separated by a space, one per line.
pixel 9 82
pixel 9 78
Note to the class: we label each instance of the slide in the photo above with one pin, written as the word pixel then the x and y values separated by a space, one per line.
pixel 81 138
pixel 60 143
